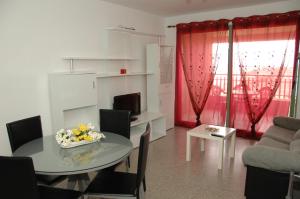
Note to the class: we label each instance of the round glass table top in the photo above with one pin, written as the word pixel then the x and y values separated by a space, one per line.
pixel 50 159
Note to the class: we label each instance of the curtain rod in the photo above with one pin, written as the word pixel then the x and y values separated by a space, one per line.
pixel 173 26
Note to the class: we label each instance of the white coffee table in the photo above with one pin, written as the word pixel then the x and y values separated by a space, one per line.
pixel 202 133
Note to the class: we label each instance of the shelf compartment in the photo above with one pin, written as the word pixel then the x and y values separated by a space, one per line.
pixel 146 117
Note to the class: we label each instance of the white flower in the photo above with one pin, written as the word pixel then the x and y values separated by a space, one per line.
pixel 69 132
pixel 90 126
pixel 61 131
pixel 95 135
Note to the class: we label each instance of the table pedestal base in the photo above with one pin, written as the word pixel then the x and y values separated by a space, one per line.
pixel 83 181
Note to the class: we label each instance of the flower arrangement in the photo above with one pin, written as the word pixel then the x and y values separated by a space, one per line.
pixel 83 134
pixel 212 129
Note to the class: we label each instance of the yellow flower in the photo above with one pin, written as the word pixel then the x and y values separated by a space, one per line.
pixel 88 138
pixel 76 132
pixel 81 137
pixel 83 127
pixel 76 139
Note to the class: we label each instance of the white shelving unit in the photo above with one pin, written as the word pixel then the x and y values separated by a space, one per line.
pixel 77 96
pixel 74 99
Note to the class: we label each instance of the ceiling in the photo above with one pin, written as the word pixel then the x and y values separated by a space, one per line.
pixel 179 7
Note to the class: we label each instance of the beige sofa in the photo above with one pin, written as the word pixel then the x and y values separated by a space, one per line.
pixel 270 161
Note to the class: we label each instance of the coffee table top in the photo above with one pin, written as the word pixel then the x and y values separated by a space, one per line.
pixel 203 131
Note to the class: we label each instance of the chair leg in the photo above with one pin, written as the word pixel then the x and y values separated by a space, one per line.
pixel 128 161
pixel 144 183
pixel 138 193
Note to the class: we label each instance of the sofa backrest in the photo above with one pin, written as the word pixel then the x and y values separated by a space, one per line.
pixel 287 122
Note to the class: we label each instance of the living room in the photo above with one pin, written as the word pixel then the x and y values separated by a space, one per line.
pixel 65 60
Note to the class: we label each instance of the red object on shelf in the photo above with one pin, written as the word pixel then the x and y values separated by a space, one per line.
pixel 123 71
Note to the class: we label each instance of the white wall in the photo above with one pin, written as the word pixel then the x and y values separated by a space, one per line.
pixel 277 7
pixel 35 35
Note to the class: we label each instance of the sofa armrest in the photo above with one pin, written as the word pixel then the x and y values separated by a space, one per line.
pixel 287 122
pixel 272 158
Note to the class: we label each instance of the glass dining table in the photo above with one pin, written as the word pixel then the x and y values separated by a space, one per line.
pixel 50 159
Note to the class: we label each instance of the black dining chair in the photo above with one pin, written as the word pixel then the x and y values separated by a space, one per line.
pixel 116 121
pixel 22 131
pixel 18 180
pixel 121 184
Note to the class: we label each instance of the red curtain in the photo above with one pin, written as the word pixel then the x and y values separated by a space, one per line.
pixel 264 52
pixel 197 60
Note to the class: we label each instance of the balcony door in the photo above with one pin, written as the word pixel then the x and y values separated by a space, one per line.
pixel 245 77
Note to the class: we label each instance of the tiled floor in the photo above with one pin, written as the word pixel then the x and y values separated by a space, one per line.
pixel 169 176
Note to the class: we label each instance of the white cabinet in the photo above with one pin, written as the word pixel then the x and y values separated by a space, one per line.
pixel 153 80
pixel 77 90
pixel 160 91
pixel 73 98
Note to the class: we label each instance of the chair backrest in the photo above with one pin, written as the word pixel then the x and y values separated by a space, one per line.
pixel 18 178
pixel 115 121
pixel 23 131
pixel 143 156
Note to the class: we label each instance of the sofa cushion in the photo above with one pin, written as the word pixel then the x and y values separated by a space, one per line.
pixel 280 134
pixel 287 122
pixel 271 158
pixel 269 142
pixel 295 146
pixel 297 135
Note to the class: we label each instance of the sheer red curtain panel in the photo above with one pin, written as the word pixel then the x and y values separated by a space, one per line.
pixel 264 50
pixel 197 60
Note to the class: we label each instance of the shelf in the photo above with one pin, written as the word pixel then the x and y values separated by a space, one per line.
pixel 118 29
pixel 77 107
pixel 145 117
pixel 105 75
pixel 71 59
pixel 73 73
pixel 101 58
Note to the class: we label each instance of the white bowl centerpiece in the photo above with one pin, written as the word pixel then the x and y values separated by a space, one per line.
pixel 83 134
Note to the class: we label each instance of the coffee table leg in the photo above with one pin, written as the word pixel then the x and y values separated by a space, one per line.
pixel 232 146
pixel 221 150
pixel 188 147
pixel 202 144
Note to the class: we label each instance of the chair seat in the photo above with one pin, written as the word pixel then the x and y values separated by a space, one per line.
pixel 49 179
pixel 110 183
pixel 56 193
